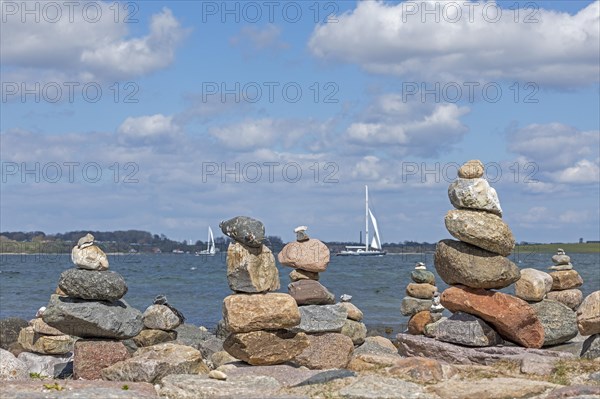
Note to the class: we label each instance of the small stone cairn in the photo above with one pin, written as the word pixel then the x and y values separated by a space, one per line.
pixel 476 265
pixel 418 304
pixel 565 281
pixel 160 321
pixel 257 319
pixel 332 329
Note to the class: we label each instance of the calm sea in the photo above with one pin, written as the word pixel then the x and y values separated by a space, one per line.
pixel 196 285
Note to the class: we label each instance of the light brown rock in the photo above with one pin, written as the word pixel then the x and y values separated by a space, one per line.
pixel 311 255
pixel 250 269
pixel 482 229
pixel 326 351
pixel 151 337
pixel 245 313
pixel 354 313
pixel 571 298
pixel 565 279
pixel 533 285
pixel 261 348
pixel 588 314
pixel 310 292
pixel 40 327
pixel 90 258
pixel 417 323
pixel 422 369
pixel 512 317
pixel 299 274
pixel 92 356
pixel 45 344
pixel 422 291
pixel 160 317
pixel 472 169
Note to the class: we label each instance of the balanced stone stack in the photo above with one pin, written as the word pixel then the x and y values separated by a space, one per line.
pixel 565 281
pixel 419 300
pixel 331 334
pixel 160 321
pixel 256 318
pixel 90 305
pixel 477 264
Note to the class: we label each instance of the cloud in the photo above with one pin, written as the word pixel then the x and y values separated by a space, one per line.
pixel 252 38
pixel 148 130
pixel 556 49
pixel 583 171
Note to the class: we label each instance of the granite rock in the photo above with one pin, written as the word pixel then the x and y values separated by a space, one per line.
pixel 9 331
pixel 12 368
pixel 310 292
pixel 92 284
pixel 472 169
pixel 326 351
pixel 421 291
pixel 422 277
pixel 465 329
pixel 325 318
pixel 266 347
pixel 45 344
pixel 272 311
pixel 245 230
pixel 559 321
pixel 311 255
pixel 149 337
pixel 354 313
pixel 565 279
pixel 90 258
pixel 251 269
pixel 533 285
pixel 355 330
pixel 160 317
pixel 92 356
pixel 571 298
pixel 588 314
pixel 411 306
pixel 474 194
pixel 299 274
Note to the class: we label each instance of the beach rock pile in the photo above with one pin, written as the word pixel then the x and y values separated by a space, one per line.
pixel 476 264
pixel 565 281
pixel 258 320
pixel 331 334
pixel 419 302
pixel 160 321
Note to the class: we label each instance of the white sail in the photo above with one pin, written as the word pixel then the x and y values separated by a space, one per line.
pixel 376 243
pixel 211 241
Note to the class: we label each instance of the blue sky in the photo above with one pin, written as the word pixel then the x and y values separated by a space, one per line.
pixel 274 110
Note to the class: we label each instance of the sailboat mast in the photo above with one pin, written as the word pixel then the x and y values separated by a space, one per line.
pixel 366 218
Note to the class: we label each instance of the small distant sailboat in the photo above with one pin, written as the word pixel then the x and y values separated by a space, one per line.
pixel 375 248
pixel 210 250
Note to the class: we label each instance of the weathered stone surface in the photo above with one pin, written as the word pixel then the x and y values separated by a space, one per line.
pixel 376 352
pixel 538 365
pixel 512 317
pixel 9 331
pixel 299 274
pixel 289 375
pixel 465 329
pixel 591 347
pixel 561 259
pixel 459 263
pixel 220 358
pixel 51 366
pixel 571 298
pixel 559 321
pixel 11 368
pixel 84 319
pixel 40 327
pixel 266 347
pixel 565 279
pixel 576 392
pixel 472 169
pixel 326 318
pixel 354 313
pixel 91 356
pixel 311 255
pixel 411 306
pixel 310 292
pixel 355 330
pixel 45 344
pixel 245 313
pixel 183 386
pixel 422 277
pixel 160 317
pixel 93 284
pixel 211 345
pixel 372 386
pixel 417 323
pixel 432 328
pixel 251 269
pixel 588 314
pixel 153 337
pixel 326 351
pixel 90 258
pixel 533 285
pixel 245 230
pixel 152 363
pixel 422 291
pixel 474 194
pixel 491 388
pixel 482 229
pixel 191 335
pixel 418 345
pixel 78 390
pixel 422 370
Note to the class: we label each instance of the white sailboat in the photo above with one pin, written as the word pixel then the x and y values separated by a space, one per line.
pixel 210 250
pixel 374 249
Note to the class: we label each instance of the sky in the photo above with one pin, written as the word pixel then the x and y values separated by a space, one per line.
pixel 172 116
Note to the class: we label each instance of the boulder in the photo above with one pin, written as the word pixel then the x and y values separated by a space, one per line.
pixel 417 323
pixel 9 331
pixel 92 356
pixel 310 292
pixel 325 318
pixel 375 353
pixel 90 258
pixel 565 279
pixel 533 285
pixel 326 351
pixel 354 313
pixel 411 306
pixel 422 290
pixel 53 366
pixel 465 329
pixel 45 344
pixel 571 298
pixel 588 314
pixel 12 368
pixel 474 194
pixel 93 284
pixel 472 169
pixel 41 327
pixel 482 229
pixel 422 277
pixel 266 347
pixel 460 263
pixel 251 269
pixel 160 317
pixel 245 230
pixel 512 317
pixel 152 337
pixel 83 318
pixel 311 255
pixel 355 330
pixel 299 274
pixel 559 321
pixel 272 311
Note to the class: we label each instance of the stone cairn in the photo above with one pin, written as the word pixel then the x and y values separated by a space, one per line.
pixel 419 302
pixel 160 321
pixel 332 329
pixel 565 281
pixel 258 321
pixel 88 304
pixel 476 265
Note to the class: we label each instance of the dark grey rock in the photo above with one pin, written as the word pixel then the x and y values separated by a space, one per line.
pixel 422 277
pixel 89 319
pixel 9 331
pixel 465 329
pixel 325 318
pixel 245 230
pixel 222 331
pixel 191 335
pixel 591 347
pixel 210 346
pixel 558 320
pixel 92 284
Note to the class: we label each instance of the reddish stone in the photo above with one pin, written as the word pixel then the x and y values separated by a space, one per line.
pixel 310 292
pixel 91 356
pixel 512 317
pixel 417 323
pixel 311 255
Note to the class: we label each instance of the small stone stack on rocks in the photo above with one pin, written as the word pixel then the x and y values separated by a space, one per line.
pixel 91 306
pixel 565 281
pixel 331 334
pixel 477 264
pixel 256 318
pixel 160 321
pixel 419 300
